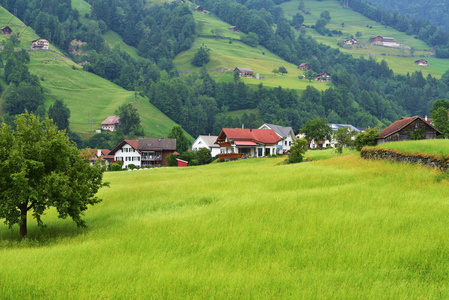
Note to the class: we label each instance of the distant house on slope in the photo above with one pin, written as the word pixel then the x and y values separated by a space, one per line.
pixel 304 66
pixel 40 44
pixel 421 62
pixel 351 42
pixel 200 9
pixel 286 135
pixel 407 127
pixel 323 77
pixel 244 72
pixel 234 28
pixel 6 30
pixel 207 141
pixel 111 123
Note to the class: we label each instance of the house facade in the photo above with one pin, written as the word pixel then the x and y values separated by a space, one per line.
pixel 40 44
pixel 238 142
pixel 286 135
pixel 323 77
pixel 207 141
pixel 408 128
pixel 244 72
pixel 111 123
pixel 329 143
pixel 304 66
pixel 155 151
pixel 6 30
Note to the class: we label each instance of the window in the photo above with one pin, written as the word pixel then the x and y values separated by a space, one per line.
pixel 285 143
pixel 289 143
pixel 138 158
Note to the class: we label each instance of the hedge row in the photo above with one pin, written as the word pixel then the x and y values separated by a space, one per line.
pixel 429 160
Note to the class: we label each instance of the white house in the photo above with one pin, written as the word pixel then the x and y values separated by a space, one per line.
pixel 326 143
pixel 207 141
pixel 40 44
pixel 237 142
pixel 286 135
pixel 127 153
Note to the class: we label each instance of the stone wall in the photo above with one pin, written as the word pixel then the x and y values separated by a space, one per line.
pixel 429 160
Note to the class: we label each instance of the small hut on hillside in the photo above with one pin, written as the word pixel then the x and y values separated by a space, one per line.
pixel 6 30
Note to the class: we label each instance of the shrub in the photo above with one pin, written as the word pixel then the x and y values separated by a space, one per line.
pixel 297 150
pixel 367 138
pixel 115 167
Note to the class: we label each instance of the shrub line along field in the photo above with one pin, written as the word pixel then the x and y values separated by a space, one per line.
pixel 340 227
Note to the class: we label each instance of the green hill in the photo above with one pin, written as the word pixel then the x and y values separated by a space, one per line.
pixel 323 229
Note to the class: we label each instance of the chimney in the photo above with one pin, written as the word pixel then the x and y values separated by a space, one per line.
pixel 250 129
pixel 243 126
pixel 425 118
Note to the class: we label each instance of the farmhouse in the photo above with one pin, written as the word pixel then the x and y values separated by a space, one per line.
pixel 101 155
pixel 111 123
pixel 408 128
pixel 207 141
pixel 234 28
pixel 304 66
pixel 200 9
pixel 351 42
pixel 384 41
pixel 421 62
pixel 40 44
pixel 376 39
pixel 244 72
pixel 6 30
pixel 322 77
pixel 144 152
pixel 286 135
pixel 238 142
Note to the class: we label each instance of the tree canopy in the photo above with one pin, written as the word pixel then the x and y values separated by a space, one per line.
pixel 40 168
pixel 60 114
pixel 317 129
pixel 182 143
pixel 129 120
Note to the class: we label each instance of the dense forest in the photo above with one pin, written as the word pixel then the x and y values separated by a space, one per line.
pixel 365 93
pixel 437 12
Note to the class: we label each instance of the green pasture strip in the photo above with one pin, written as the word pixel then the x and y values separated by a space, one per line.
pixel 208 24
pixel 438 146
pixel 113 39
pixel 90 97
pixel 252 229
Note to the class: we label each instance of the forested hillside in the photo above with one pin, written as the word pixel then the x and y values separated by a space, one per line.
pixel 437 12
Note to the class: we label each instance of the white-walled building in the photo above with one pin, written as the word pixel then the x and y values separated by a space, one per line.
pixel 332 143
pixel 127 153
pixel 111 123
pixel 207 141
pixel 286 135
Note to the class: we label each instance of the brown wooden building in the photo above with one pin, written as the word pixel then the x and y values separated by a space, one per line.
pixel 421 62
pixel 304 66
pixel 155 151
pixel 244 72
pixel 6 30
pixel 408 128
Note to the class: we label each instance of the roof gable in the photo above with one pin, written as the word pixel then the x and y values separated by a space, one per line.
pixel 132 143
pixel 156 144
pixel 111 120
pixel 283 132
pixel 400 124
pixel 209 140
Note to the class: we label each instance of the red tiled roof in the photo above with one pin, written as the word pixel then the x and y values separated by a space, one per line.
pixel 132 143
pixel 399 124
pixel 111 120
pixel 263 136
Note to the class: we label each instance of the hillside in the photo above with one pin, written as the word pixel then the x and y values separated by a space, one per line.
pixel 324 229
pixel 90 98
pixel 400 60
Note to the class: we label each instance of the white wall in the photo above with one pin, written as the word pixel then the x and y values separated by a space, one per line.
pixel 128 155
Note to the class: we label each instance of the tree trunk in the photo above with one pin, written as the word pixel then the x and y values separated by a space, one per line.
pixel 23 221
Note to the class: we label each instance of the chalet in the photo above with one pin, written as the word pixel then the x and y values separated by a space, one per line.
pixel 234 28
pixel 304 66
pixel 237 142
pixel 200 9
pixel 374 39
pixel 286 135
pixel 40 44
pixel 100 155
pixel 421 62
pixel 406 128
pixel 351 42
pixel 144 152
pixel 111 123
pixel 6 30
pixel 388 40
pixel 207 141
pixel 244 72
pixel 322 77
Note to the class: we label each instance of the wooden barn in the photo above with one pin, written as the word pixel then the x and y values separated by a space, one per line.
pixel 6 30
pixel 376 39
pixel 421 62
pixel 200 9
pixel 323 77
pixel 304 66
pixel 244 72
pixel 408 128
pixel 234 28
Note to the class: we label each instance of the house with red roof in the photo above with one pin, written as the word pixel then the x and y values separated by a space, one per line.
pixel 237 142
pixel 408 128
pixel 100 155
pixel 144 152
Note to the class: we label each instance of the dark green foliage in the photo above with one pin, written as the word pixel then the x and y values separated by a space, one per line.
pixel 171 160
pixel 367 138
pixel 297 19
pixel 115 167
pixel 18 99
pixel 343 136
pixel 283 70
pixel 251 39
pixel 40 168
pixel 60 114
pixel 201 57
pixel 129 120
pixel 297 151
pixel 203 156
pixel 182 144
pixel 317 129
pixel 440 118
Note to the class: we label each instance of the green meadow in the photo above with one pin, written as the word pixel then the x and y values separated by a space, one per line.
pixel 91 99
pixel 400 60
pixel 340 228
pixel 440 147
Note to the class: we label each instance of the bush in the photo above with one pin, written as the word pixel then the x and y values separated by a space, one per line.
pixel 367 138
pixel 115 167
pixel 132 166
pixel 297 151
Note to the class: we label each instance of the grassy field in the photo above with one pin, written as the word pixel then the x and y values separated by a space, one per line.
pixel 90 97
pixel 400 60
pixel 424 146
pixel 335 228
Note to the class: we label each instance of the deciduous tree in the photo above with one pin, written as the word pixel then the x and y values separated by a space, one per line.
pixel 317 129
pixel 297 150
pixel 40 168
pixel 60 114
pixel 182 144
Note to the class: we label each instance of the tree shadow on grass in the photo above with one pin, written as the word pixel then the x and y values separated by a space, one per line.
pixel 56 233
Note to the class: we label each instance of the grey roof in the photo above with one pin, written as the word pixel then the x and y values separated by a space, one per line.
pixel 156 144
pixel 244 69
pixel 281 131
pixel 352 128
pixel 209 140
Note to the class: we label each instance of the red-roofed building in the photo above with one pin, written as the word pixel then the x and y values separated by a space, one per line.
pixel 408 128
pixel 111 123
pixel 101 155
pixel 238 142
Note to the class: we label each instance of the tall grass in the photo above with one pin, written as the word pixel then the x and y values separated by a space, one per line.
pixel 425 146
pixel 336 228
